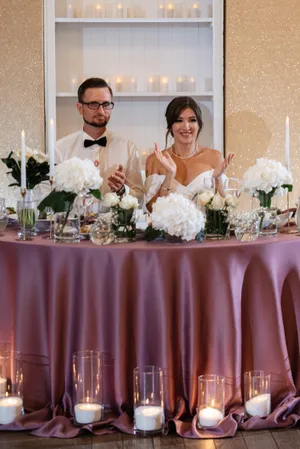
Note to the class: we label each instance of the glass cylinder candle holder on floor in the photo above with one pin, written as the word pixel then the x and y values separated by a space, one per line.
pixel 257 393
pixel 211 400
pixel 87 387
pixel 11 386
pixel 148 390
pixel 27 213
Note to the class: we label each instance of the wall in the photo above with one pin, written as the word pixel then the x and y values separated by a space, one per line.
pixel 262 81
pixel 21 78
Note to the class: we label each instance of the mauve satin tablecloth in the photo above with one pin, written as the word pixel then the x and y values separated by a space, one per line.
pixel 216 307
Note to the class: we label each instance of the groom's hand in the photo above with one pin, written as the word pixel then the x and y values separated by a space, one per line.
pixel 117 180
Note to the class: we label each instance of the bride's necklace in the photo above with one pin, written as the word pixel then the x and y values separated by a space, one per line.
pixel 183 157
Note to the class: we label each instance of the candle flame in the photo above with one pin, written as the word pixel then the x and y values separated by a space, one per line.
pixel 133 80
pixel 147 401
pixel 195 6
pixel 73 80
pixel 98 6
pixel 69 6
pixel 164 80
pixel 118 80
pixel 192 79
pixel 179 80
pixel 119 6
pixel 170 6
pixel 23 133
pixel 213 403
pixel 161 6
pixel 150 80
pixel 51 122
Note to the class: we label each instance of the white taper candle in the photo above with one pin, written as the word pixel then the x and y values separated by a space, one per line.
pixel 23 161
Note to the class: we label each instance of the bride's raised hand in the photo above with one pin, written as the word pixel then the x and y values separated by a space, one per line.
pixel 165 160
pixel 224 164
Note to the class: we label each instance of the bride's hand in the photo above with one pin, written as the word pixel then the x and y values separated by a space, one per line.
pixel 222 167
pixel 166 161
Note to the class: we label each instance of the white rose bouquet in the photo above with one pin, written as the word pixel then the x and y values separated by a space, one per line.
pixel 37 167
pixel 71 178
pixel 176 216
pixel 267 178
pixel 123 217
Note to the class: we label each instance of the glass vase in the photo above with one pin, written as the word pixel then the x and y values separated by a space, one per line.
pixel 123 224
pixel 11 386
pixel 257 393
pixel 27 212
pixel 3 216
pixel 216 226
pixel 67 226
pixel 248 233
pixel 211 400
pixel 101 231
pixel 268 222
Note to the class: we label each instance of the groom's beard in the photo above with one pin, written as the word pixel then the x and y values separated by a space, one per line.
pixel 95 123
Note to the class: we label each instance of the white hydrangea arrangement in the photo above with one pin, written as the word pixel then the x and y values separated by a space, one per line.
pixel 176 216
pixel 71 178
pixel 266 179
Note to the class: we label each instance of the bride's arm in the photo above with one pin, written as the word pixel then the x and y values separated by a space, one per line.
pixel 220 170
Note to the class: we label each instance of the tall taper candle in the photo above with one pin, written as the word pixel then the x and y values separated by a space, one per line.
pixel 23 161
pixel 287 142
pixel 51 149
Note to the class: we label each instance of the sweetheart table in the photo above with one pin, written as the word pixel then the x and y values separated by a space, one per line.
pixel 194 308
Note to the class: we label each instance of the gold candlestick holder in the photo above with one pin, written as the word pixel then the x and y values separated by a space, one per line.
pixel 50 236
pixel 288 229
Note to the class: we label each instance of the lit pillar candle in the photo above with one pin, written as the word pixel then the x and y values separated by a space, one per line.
pixel 119 12
pixel 178 10
pixel 194 11
pixel 51 149
pixel 3 385
pixel 260 405
pixel 210 417
pixel 133 85
pixel 98 11
pixel 86 413
pixel 119 85
pixel 164 87
pixel 23 161
pixel 10 409
pixel 170 11
pixel 287 143
pixel 70 11
pixel 148 418
pixel 161 11
pixel 73 85
pixel 131 12
pixel 180 85
pixel 192 84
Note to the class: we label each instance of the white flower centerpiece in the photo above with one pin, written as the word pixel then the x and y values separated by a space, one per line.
pixel 216 208
pixel 175 218
pixel 264 180
pixel 72 177
pixel 123 216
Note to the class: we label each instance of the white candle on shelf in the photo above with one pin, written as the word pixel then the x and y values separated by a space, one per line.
pixel 109 9
pixel 170 11
pixel 260 405
pixel 10 409
pixel 86 413
pixel 51 148
pixel 180 85
pixel 3 385
pixel 192 85
pixel 98 11
pixel 133 85
pixel 178 10
pixel 195 11
pixel 119 11
pixel 164 87
pixel 131 12
pixel 74 85
pixel 210 417
pixel 23 161
pixel 119 85
pixel 287 142
pixel 70 11
pixel 148 418
pixel 161 12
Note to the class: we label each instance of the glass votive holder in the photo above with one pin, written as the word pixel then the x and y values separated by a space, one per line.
pixel 161 9
pixel 101 232
pixel 211 399
pixel 153 83
pixel 170 11
pixel 11 386
pixel 87 387
pixel 98 10
pixel 27 213
pixel 257 393
pixel 119 11
pixel 148 390
pixel 194 11
pixel 164 84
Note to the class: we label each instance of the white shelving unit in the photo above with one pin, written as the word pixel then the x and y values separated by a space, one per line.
pixel 81 47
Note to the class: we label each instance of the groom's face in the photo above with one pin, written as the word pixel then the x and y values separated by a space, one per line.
pixel 98 118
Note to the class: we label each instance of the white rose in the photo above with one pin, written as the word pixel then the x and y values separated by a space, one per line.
pixel 217 202
pixel 204 198
pixel 111 199
pixel 129 202
pixel 230 201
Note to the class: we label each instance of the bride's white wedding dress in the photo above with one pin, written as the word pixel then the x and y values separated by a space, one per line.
pixel 153 183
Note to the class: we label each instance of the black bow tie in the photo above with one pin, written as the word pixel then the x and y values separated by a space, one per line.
pixel 101 142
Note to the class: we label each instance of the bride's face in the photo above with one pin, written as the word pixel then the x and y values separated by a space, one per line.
pixel 186 127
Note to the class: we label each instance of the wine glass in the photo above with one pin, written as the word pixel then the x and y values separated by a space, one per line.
pixel 209 184
pixel 233 187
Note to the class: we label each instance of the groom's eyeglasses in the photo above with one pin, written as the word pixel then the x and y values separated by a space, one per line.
pixel 94 105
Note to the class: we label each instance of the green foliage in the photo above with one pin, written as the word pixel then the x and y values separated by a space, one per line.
pixel 58 201
pixel 153 234
pixel 36 172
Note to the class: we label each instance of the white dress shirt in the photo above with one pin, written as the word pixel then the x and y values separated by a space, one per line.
pixel 117 151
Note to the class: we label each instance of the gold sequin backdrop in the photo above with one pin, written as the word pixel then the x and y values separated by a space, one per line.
pixel 262 74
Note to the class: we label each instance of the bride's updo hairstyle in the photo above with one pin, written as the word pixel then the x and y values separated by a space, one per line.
pixel 174 109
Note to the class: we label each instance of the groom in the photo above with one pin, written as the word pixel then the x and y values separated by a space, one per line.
pixel 117 158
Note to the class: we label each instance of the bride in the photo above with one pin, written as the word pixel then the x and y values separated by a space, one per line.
pixel 182 167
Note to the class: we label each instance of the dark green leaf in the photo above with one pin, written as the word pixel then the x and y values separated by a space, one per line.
pixel 288 186
pixel 96 193
pixel 152 234
pixel 57 201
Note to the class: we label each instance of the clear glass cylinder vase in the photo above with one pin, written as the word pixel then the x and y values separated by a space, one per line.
pixel 211 400
pixel 123 224
pixel 11 386
pixel 257 393
pixel 87 387
pixel 148 400
pixel 3 216
pixel 27 215
pixel 67 226
pixel 268 222
pixel 216 226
